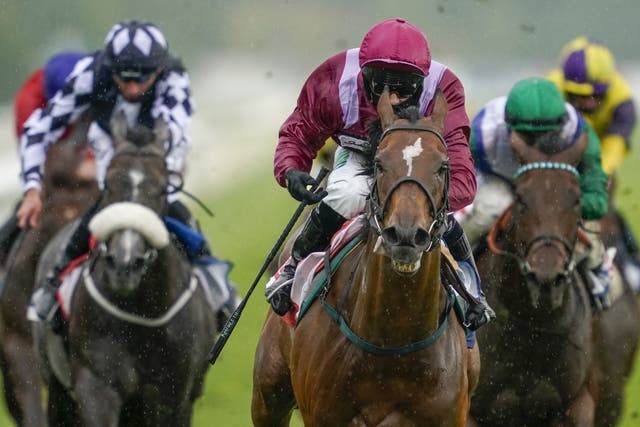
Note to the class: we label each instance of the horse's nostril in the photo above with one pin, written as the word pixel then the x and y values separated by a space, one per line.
pixel 421 237
pixel 390 235
pixel 138 264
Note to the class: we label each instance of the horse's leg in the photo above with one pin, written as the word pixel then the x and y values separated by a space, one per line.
pixel 23 379
pixel 98 404
pixel 180 415
pixel 473 367
pixel 62 410
pixel 582 411
pixel 273 400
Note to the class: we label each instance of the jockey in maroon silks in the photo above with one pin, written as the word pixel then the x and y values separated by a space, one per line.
pixel 339 100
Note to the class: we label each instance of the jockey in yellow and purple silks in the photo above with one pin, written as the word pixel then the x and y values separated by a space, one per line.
pixel 589 81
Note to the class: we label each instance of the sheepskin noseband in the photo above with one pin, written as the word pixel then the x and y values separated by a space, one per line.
pixel 135 216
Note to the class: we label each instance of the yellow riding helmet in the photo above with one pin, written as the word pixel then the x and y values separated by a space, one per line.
pixel 588 67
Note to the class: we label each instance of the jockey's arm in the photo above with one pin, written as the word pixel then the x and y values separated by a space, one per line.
pixel 175 106
pixel 43 128
pixel 593 180
pixel 616 140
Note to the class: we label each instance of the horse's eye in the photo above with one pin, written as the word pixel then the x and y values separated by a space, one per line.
pixel 443 169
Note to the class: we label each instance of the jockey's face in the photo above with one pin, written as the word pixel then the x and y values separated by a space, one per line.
pixel 132 89
pixel 585 103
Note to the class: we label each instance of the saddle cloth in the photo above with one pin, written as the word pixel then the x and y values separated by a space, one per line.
pixel 304 287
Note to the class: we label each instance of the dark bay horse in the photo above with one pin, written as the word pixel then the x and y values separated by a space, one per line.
pixel 68 188
pixel 544 363
pixel 402 360
pixel 140 326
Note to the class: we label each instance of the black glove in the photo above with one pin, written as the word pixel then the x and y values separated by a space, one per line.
pixel 297 182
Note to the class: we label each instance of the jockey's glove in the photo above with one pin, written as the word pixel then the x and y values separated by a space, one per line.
pixel 297 183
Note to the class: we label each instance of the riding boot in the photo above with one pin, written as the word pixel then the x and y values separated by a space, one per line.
pixel 44 300
pixel 599 281
pixel 8 234
pixel 628 238
pixel 479 311
pixel 214 270
pixel 316 234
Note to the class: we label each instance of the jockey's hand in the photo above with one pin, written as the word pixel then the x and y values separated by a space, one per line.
pixel 29 211
pixel 297 183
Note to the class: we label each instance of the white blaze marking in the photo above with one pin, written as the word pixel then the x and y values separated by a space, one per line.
pixel 128 242
pixel 136 179
pixel 410 152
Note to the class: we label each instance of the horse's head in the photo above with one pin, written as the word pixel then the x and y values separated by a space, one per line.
pixel 546 216
pixel 129 225
pixel 408 202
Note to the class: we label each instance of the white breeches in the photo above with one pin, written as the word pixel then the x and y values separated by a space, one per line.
pixel 347 187
pixel 492 198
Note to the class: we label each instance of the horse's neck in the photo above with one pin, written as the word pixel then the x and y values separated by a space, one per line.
pixel 391 306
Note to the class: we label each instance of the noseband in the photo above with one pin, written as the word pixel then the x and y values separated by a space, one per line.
pixel 376 212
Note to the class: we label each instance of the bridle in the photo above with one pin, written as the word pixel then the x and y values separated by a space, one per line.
pixel 542 240
pixel 376 211
pixel 376 216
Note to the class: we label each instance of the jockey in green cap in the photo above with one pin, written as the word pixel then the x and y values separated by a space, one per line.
pixel 535 109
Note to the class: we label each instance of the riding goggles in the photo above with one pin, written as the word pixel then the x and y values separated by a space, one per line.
pixel 404 84
pixel 132 74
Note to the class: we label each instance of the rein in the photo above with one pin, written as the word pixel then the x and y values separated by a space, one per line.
pixel 336 315
pixel 135 319
pixel 177 186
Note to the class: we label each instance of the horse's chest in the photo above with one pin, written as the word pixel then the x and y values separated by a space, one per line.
pixel 409 394
pixel 535 375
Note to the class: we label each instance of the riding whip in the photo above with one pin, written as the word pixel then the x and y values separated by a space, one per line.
pixel 235 316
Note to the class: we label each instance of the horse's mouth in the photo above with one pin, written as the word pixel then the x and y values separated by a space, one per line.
pixel 405 268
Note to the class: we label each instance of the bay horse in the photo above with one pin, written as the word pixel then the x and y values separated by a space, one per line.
pixel 140 325
pixel 68 188
pixel 402 359
pixel 544 356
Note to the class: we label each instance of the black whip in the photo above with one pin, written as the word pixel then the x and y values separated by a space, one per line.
pixel 235 316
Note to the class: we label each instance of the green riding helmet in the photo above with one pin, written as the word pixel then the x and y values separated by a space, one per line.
pixel 535 105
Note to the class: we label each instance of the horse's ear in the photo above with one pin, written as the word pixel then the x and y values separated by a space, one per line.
pixel 385 109
pixel 440 110
pixel 573 154
pixel 161 132
pixel 119 128
pixel 520 148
